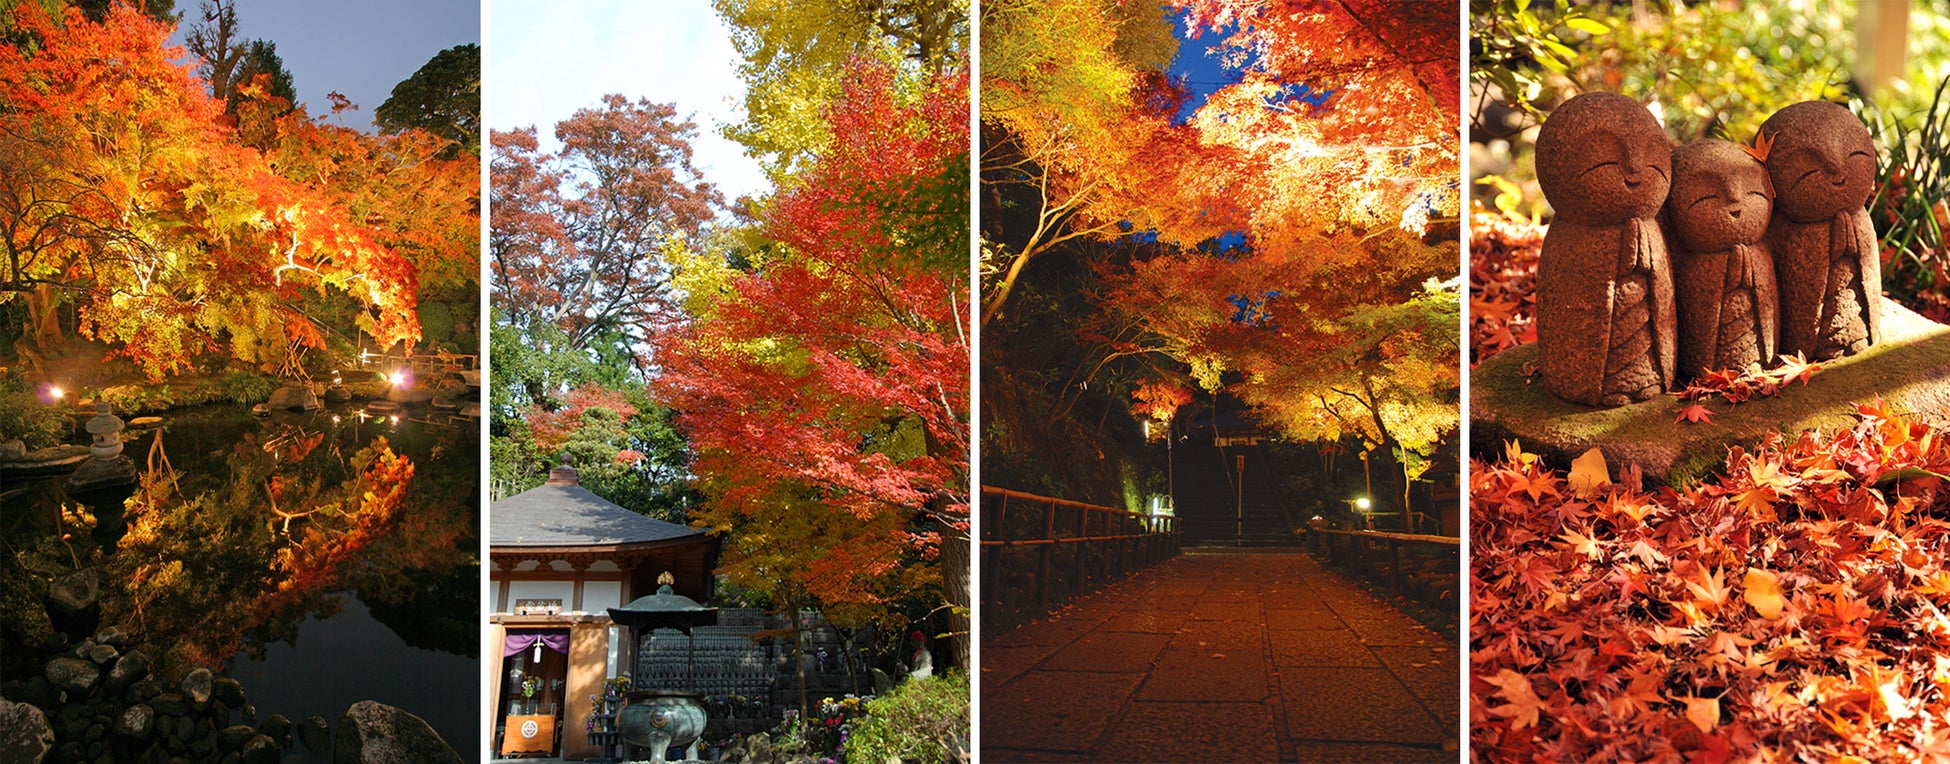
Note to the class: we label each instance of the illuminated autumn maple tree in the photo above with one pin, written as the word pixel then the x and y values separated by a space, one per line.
pixel 125 190
pixel 1339 121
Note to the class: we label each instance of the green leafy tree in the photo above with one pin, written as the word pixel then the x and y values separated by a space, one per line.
pixel 443 98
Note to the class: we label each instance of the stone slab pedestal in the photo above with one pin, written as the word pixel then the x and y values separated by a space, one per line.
pixel 97 474
pixel 1909 369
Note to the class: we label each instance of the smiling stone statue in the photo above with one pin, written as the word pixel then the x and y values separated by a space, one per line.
pixel 1605 313
pixel 1718 213
pixel 1824 165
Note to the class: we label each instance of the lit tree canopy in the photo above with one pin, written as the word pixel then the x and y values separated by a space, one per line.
pixel 125 189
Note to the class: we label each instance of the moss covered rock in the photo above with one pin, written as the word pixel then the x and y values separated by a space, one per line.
pixel 1910 370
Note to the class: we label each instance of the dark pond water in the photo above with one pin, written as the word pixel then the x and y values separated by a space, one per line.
pixel 203 572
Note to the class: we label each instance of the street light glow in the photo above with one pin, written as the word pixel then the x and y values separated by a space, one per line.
pixel 1363 502
pixel 55 392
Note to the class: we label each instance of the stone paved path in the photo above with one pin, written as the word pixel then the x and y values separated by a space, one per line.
pixel 1222 656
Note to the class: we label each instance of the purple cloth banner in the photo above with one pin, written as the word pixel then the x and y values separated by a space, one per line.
pixel 519 641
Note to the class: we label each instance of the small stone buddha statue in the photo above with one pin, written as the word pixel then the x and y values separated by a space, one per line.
pixel 1605 314
pixel 1717 215
pixel 1823 165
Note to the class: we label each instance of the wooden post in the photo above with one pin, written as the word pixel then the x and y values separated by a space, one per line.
pixel 1082 552
pixel 1394 566
pixel 992 560
pixel 1049 533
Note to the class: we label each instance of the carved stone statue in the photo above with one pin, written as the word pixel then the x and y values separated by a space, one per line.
pixel 1717 213
pixel 1605 314
pixel 1823 165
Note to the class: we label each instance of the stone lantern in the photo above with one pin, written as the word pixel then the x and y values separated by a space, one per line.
pixel 108 467
pixel 659 719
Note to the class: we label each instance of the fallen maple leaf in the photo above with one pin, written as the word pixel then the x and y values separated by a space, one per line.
pixel 1763 592
pixel 1762 145
pixel 1524 706
pixel 1704 713
pixel 1693 413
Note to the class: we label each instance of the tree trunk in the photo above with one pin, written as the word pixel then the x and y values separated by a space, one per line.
pixel 799 664
pixel 955 586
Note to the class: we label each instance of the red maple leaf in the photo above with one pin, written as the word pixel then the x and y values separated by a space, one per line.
pixel 1693 413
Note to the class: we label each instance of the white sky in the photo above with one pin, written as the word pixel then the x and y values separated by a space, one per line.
pixel 548 58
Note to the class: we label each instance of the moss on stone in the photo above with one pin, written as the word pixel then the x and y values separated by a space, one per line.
pixel 1910 370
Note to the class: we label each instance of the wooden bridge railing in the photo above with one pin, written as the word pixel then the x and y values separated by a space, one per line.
pixel 1369 548
pixel 1039 551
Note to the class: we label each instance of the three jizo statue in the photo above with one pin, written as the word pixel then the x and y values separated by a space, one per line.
pixel 1662 264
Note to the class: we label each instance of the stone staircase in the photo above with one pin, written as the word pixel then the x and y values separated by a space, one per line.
pixel 1215 510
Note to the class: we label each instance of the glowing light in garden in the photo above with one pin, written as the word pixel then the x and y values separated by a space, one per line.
pixel 1363 503
pixel 55 393
pixel 398 378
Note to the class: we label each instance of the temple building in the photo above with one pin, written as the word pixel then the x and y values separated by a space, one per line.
pixel 560 558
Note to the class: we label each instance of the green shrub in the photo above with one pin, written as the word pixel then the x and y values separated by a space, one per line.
pixel 24 416
pixel 436 321
pixel 247 388
pixel 922 721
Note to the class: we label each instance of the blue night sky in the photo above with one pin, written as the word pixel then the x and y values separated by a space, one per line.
pixel 1200 72
pixel 360 48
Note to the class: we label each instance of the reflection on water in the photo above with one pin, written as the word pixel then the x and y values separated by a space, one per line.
pixel 351 657
pixel 326 558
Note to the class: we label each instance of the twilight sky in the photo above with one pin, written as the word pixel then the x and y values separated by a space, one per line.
pixel 548 58
pixel 360 48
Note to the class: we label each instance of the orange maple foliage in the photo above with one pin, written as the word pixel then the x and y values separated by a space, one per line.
pixel 123 185
pixel 1792 608
pixel 552 428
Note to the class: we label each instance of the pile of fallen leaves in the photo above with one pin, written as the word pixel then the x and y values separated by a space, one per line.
pixel 1790 609
pixel 1737 387
pixel 1502 282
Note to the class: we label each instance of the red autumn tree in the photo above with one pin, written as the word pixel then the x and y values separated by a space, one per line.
pixel 833 378
pixel 578 234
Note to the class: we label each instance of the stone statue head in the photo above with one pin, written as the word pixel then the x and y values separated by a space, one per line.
pixel 1721 196
pixel 1602 159
pixel 1822 160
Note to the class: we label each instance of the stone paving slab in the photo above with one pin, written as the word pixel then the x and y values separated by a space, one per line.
pixel 1373 753
pixel 1235 655
pixel 1003 664
pixel 1295 620
pixel 1205 732
pixel 1320 705
pixel 1324 648
pixel 1207 675
pixel 1147 620
pixel 1111 651
pixel 1212 635
pixel 993 755
pixel 1061 711
pixel 1429 671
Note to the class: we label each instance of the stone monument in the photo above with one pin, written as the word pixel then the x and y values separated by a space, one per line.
pixel 1717 214
pixel 1606 322
pixel 1823 166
